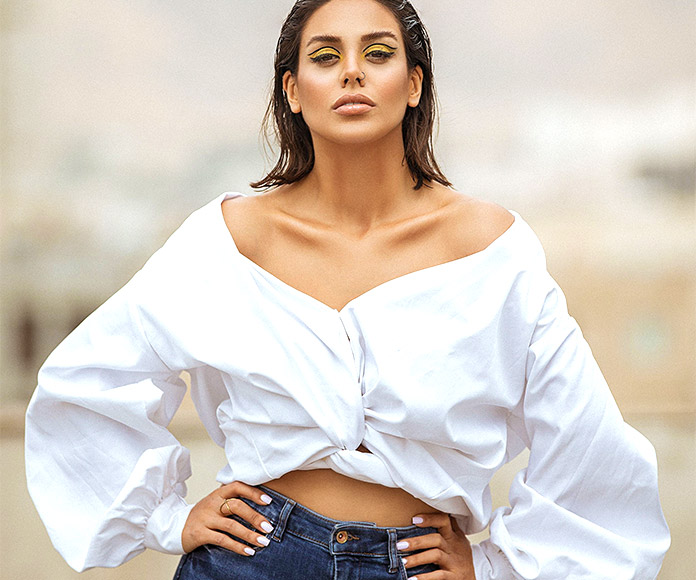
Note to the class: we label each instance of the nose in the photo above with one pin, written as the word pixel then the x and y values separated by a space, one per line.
pixel 352 73
pixel 359 79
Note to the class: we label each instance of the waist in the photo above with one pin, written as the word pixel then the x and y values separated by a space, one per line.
pixel 342 498
pixel 288 516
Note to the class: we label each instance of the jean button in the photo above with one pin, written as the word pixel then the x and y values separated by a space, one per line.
pixel 342 537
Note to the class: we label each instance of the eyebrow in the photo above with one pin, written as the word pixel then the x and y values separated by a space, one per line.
pixel 364 38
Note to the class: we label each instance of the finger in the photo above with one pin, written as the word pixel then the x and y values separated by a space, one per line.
pixel 224 541
pixel 239 489
pixel 237 507
pixel 420 543
pixel 436 575
pixel 434 556
pixel 443 522
pixel 241 532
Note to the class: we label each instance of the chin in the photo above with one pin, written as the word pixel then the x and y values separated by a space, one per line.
pixel 359 133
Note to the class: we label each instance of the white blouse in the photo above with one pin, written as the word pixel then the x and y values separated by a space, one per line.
pixel 444 374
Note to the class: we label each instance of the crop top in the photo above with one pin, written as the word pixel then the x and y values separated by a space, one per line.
pixel 443 374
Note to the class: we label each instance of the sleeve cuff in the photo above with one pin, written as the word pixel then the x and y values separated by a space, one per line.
pixel 163 530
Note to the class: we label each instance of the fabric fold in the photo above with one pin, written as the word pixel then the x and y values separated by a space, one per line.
pixel 444 374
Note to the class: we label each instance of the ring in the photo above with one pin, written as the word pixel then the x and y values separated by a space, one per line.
pixel 225 504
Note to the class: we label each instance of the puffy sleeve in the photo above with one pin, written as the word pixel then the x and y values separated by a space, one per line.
pixel 105 474
pixel 587 505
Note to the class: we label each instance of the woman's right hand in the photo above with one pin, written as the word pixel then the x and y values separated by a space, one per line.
pixel 208 521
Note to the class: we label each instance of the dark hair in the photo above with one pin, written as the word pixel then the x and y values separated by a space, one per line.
pixel 296 158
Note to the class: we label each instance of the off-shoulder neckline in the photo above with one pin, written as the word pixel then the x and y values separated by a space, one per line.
pixel 403 278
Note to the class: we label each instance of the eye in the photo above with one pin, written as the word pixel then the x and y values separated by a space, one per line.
pixel 379 52
pixel 325 55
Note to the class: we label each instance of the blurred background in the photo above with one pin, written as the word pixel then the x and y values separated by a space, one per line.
pixel 120 118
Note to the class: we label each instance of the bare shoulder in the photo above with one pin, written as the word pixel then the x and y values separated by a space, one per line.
pixel 244 216
pixel 475 223
pixel 241 207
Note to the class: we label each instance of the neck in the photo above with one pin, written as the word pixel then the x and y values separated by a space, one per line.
pixel 357 187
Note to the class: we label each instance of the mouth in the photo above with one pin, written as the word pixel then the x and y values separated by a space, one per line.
pixel 353 105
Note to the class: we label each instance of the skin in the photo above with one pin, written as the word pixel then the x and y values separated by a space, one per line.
pixel 358 220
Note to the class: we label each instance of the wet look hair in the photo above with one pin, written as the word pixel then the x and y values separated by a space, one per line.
pixel 296 157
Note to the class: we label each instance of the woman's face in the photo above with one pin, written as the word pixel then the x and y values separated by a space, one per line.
pixel 353 83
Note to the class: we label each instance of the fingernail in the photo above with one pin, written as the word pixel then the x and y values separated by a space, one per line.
pixel 263 540
pixel 402 545
pixel 404 560
pixel 417 520
pixel 249 551
pixel 266 527
pixel 266 499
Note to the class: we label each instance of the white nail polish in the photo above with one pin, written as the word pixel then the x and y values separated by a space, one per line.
pixel 404 560
pixel 249 551
pixel 266 527
pixel 266 499
pixel 417 520
pixel 402 546
pixel 263 540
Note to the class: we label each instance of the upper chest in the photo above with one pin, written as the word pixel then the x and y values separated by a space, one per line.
pixel 335 268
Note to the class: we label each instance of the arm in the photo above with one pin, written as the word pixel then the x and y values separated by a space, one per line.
pixel 587 505
pixel 105 474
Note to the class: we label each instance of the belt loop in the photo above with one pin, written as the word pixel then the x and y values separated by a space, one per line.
pixel 279 529
pixel 393 552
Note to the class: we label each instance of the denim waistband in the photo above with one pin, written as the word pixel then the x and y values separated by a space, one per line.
pixel 338 537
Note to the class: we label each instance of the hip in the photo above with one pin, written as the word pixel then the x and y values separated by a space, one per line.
pixel 305 544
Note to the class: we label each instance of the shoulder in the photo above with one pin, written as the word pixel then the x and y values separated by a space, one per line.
pixel 473 224
pixel 244 217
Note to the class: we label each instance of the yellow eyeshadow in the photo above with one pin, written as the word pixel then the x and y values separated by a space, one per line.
pixel 379 47
pixel 325 51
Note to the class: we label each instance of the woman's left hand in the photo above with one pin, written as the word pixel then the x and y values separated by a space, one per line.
pixel 449 549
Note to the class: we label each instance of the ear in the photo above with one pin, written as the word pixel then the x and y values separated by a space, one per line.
pixel 290 90
pixel 415 86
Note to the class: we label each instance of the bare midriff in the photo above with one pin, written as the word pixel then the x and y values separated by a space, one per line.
pixel 343 498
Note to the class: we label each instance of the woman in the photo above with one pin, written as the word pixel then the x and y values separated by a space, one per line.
pixel 368 345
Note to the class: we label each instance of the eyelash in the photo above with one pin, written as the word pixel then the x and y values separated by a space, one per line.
pixel 329 57
pixel 380 54
pixel 324 58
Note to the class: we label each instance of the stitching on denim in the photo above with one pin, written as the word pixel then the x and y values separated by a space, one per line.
pixel 403 573
pixel 283 519
pixel 366 554
pixel 297 534
pixel 308 538
pixel 393 554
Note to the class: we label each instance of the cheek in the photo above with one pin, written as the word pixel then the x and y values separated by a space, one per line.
pixel 316 90
pixel 399 85
pixel 395 89
pixel 312 90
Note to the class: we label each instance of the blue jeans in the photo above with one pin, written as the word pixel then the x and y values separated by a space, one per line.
pixel 306 545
